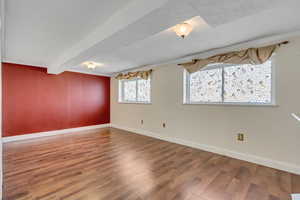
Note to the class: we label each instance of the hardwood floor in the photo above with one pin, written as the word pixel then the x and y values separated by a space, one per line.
pixel 112 164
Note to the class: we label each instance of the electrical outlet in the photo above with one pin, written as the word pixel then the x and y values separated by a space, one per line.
pixel 164 125
pixel 240 137
pixel 142 122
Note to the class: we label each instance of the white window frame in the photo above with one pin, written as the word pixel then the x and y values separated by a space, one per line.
pixel 186 89
pixel 121 92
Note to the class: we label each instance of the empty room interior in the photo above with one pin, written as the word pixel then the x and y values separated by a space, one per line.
pixel 150 100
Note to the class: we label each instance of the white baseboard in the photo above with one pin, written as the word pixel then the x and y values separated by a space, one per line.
pixel 288 167
pixel 51 133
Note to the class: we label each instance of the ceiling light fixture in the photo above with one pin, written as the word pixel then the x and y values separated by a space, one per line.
pixel 183 29
pixel 91 65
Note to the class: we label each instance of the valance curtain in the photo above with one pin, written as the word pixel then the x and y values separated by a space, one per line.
pixel 248 56
pixel 138 74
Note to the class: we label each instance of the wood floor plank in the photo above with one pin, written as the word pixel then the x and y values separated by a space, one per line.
pixel 111 164
pixel 296 184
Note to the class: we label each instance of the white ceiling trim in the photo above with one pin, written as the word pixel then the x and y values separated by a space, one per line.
pixel 2 29
pixel 90 72
pixel 264 41
pixel 22 62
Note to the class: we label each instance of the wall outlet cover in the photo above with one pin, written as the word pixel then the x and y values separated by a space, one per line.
pixel 241 137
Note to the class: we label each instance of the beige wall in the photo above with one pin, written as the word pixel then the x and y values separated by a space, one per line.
pixel 271 132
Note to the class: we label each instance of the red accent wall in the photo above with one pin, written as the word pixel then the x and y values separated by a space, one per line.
pixel 34 101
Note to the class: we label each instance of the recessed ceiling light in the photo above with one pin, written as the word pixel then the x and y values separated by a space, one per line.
pixel 183 29
pixel 91 64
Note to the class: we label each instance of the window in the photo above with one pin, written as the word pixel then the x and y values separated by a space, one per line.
pixel 134 91
pixel 230 84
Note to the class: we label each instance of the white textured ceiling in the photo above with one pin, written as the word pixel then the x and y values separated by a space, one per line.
pixel 38 31
pixel 124 34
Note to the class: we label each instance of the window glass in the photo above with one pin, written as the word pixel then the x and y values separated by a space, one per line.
pixel 248 83
pixel 135 91
pixel 206 86
pixel 143 90
pixel 129 90
pixel 231 84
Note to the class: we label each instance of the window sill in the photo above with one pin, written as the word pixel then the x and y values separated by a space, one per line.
pixel 234 104
pixel 145 103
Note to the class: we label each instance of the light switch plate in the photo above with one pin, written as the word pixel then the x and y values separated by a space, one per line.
pixel 295 196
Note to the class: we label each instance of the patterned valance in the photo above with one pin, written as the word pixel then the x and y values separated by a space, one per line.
pixel 138 74
pixel 248 56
